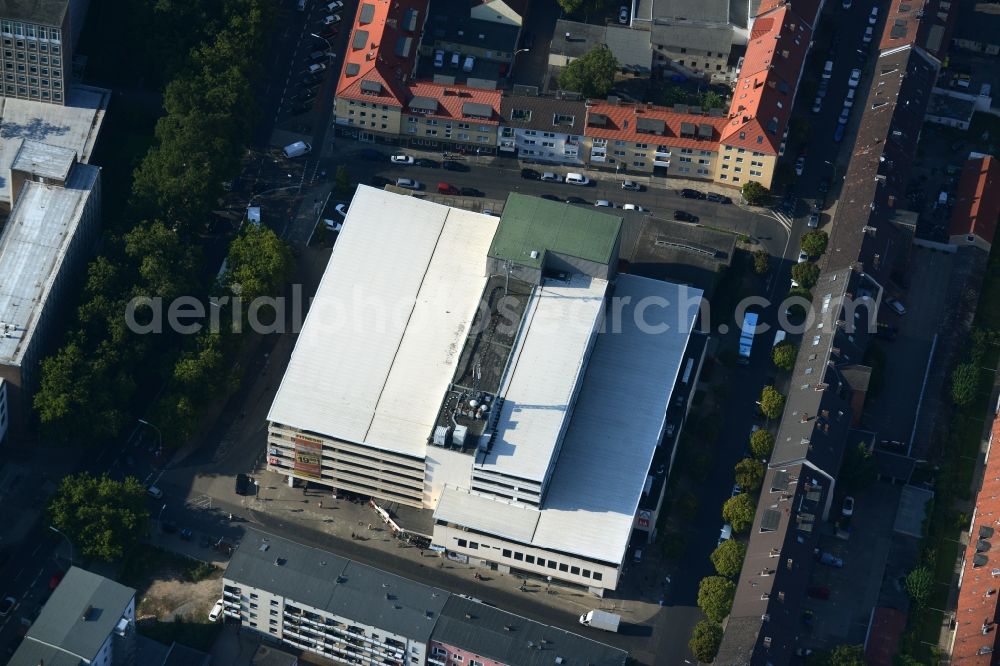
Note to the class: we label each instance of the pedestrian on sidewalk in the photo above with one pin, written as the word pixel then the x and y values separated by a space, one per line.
pixel 321 504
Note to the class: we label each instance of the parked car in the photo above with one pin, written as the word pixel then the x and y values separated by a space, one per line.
pixel 470 192
pixel 452 165
pixel 409 184
pixel 154 492
pixel 631 185
pixel 803 257
pixel 736 490
pixel 329 33
pixel 400 158
pixel 185 534
pixel 831 560
pixel 577 179
pixel 426 163
pixel 813 220
pixel 530 174
pixel 818 592
pixel 634 207
pixel 688 193
pixel 550 177
pixel 334 6
pixel 439 58
pixel 242 484
pixel 216 612
pixel 817 104
pixel 725 534
pixel 312 79
pixel 576 200
pixel 718 198
pixel 330 20
pixel 824 185
pixel 868 35
pixel 604 203
pixel 319 55
pixel 684 216
pixel 623 15
pixel 849 99
pixel 447 188
pixel 56 579
pixel 341 209
pixel 847 508
pixel 551 197
pixel 845 115
pixel 873 16
pixel 855 78
pixel 800 165
pixel 838 134
pixel 896 306
pixel 316 68
pixel 7 605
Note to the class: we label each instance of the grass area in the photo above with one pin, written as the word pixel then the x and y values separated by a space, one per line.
pixel 146 563
pixel 199 635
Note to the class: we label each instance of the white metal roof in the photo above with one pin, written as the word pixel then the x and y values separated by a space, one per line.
pixel 560 323
pixel 618 420
pixel 44 160
pixel 74 126
pixel 385 328
pixel 614 430
pixel 32 248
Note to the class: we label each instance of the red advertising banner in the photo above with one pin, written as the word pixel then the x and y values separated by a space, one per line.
pixel 308 458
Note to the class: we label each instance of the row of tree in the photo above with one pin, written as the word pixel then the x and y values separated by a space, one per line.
pixel 87 386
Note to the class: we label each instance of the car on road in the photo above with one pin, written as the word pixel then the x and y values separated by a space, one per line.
pixel 334 6
pixel 855 78
pixel 56 579
pixel 185 534
pixel 341 209
pixel 306 95
pixel 896 306
pixel 818 592
pixel 718 198
pixel 824 186
pixel 319 55
pixel 813 220
pixel 831 560
pixel 216 612
pixel 800 165
pixel 316 68
pixel 817 104
pixel 838 134
pixel 409 184
pixel 873 16
pixel 331 19
pixel 688 193
pixel 736 490
pixel 530 174
pixel 849 99
pixel 869 31
pixel 452 165
pixel 154 492
pixel 490 211
pixel 577 179
pixel 576 200
pixel 551 197
pixel 242 484
pixel 847 508
pixel 400 158
pixel 439 59
pixel 329 33
pixel 550 177
pixel 300 5
pixel 604 203
pixel 623 14
pixel 447 188
pixel 470 192
pixel 725 534
pixel 845 115
pixel 803 257
pixel 426 163
pixel 634 207
pixel 684 216
pixel 631 186
pixel 7 605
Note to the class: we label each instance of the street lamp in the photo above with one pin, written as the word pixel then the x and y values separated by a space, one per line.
pixel 159 435
pixel 510 72
pixel 313 34
pixel 159 517
pixel 67 541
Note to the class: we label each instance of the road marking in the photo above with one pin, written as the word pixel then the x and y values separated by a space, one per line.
pixel 35 551
pixel 18 576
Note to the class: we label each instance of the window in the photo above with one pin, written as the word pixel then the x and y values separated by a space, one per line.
pixel 638 164
pixel 541 562
pixel 551 564
pixel 563 567
pixel 473 662
pixel 586 573
pixel 274 602
pixel 473 545
pixel 519 556
pixel 506 552
pixel 575 571
pixel 530 559
pixel 598 575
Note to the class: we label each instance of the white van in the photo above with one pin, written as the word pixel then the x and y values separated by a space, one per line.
pixel 470 62
pixel 828 69
pixel 297 149
pixel 577 179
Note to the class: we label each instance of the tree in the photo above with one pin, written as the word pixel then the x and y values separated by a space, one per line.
pixel 728 558
pixel 761 444
pixel 715 597
pixel 920 585
pixel 749 474
pixel 711 100
pixel 739 511
pixel 858 468
pixel 103 518
pixel 705 640
pixel 806 274
pixel 592 74
pixel 754 193
pixel 772 403
pixel 847 655
pixel 342 181
pixel 259 262
pixel 784 355
pixel 814 243
pixel 964 383
pixel 761 262
pixel 801 292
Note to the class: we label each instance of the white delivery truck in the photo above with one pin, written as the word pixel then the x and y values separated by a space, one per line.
pixel 599 619
pixel 297 149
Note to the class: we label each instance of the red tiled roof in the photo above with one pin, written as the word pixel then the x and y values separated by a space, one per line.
pixel 883 642
pixel 804 9
pixel 980 586
pixel 902 24
pixel 451 100
pixel 977 201
pixel 387 55
pixel 765 90
pixel 621 120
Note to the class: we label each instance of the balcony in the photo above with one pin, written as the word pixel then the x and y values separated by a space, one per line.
pixel 661 163
pixel 662 155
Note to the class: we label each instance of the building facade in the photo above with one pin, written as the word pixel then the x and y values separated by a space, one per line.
pixel 548 130
pixel 36 57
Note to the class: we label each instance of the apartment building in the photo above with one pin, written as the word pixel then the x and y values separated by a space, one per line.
pixel 38 38
pixel 644 139
pixel 545 129
pixel 976 213
pixel 353 613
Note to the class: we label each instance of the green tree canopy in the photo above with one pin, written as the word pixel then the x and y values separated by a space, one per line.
pixel 592 74
pixel 761 262
pixel 920 585
pixel 259 262
pixel 739 511
pixel 964 383
pixel 847 655
pixel 728 558
pixel 761 444
pixel 772 403
pixel 342 181
pixel 749 474
pixel 806 274
pixel 712 100
pixel 715 597
pixel 705 640
pixel 783 355
pixel 754 193
pixel 103 518
pixel 814 242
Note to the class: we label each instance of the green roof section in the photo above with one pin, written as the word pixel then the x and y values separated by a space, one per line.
pixel 530 223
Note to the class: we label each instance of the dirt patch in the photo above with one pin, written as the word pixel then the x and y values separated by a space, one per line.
pixel 170 596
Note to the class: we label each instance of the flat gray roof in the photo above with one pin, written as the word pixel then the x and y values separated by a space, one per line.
pixel 32 248
pixel 66 624
pixel 322 580
pixel 74 126
pixel 44 160
pixel 44 12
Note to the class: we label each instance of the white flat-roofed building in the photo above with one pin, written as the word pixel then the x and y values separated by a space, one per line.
pixel 364 384
pixel 51 230
pixel 582 530
pixel 559 327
